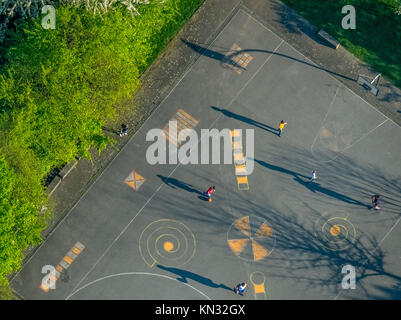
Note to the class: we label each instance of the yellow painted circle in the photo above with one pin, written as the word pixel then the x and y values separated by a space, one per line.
pixel 168 246
pixel 335 230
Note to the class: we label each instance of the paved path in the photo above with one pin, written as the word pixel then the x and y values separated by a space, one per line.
pixel 287 238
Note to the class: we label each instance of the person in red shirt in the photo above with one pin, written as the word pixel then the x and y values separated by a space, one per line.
pixel 210 191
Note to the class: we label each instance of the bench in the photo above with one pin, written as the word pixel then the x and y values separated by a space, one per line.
pixel 323 34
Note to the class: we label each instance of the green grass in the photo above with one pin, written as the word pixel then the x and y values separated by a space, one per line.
pixel 376 39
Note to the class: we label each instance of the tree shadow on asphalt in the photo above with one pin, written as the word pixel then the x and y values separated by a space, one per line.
pixel 228 59
pixel 345 174
pixel 298 244
pixel 312 186
pixel 184 275
pixel 309 255
pixel 250 121
pixel 175 183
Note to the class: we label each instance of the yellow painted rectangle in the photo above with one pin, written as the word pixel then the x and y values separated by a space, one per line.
pixel 259 288
pixel 242 180
pixel 240 169
pixel 76 250
pixel 239 157
pixel 67 259
pixel 235 133
pixel 59 268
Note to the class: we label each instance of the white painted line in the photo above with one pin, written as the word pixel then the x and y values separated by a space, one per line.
pixel 135 273
pixel 391 229
pixel 338 295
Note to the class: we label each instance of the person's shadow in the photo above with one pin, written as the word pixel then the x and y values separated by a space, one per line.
pixel 175 183
pixel 184 275
pixel 250 121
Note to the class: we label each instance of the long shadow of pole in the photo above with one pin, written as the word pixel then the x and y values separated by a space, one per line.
pixel 229 58
pixel 184 275
pixel 250 121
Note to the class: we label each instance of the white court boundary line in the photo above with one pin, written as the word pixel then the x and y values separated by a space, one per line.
pixel 178 165
pixel 134 273
pixel 124 146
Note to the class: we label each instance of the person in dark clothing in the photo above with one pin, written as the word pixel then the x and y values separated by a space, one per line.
pixel 124 130
pixel 376 202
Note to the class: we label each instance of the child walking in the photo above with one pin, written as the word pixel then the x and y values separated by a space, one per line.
pixel 209 192
pixel 240 288
pixel 313 176
pixel 281 127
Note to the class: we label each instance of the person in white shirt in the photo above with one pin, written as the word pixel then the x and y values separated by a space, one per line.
pixel 313 176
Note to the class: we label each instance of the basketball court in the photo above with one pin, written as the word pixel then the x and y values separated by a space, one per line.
pixel 144 232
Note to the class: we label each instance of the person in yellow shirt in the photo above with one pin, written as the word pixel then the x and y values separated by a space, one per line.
pixel 281 127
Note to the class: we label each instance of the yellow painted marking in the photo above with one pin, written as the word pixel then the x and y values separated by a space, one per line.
pixel 44 287
pixel 259 288
pixel 67 259
pixel 171 131
pixel 242 180
pixel 187 123
pixel 235 133
pixel 168 246
pixel 239 157
pixel 325 133
pixel 237 245
pixel 259 252
pixel 188 116
pixel 264 231
pixel 240 169
pixel 134 180
pixel 180 127
pixel 59 268
pixel 137 176
pixel 242 225
pixel 335 230
pixel 76 250
pixel 169 139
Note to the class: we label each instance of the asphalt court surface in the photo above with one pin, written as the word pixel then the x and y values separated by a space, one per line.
pixel 289 239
